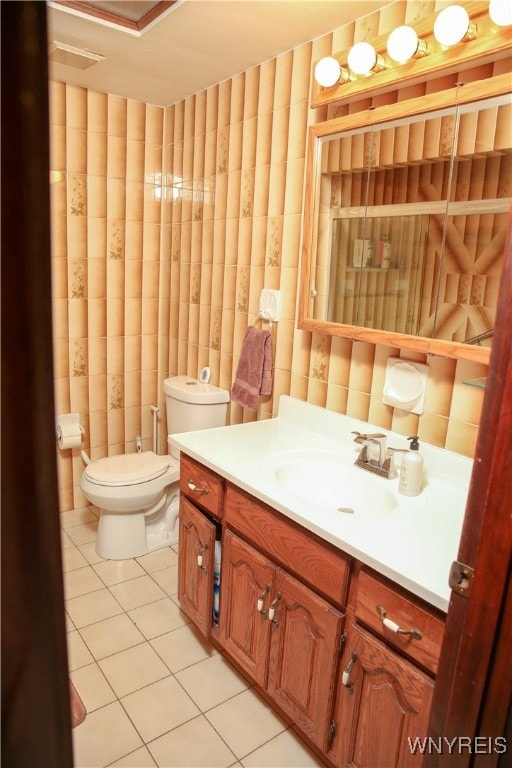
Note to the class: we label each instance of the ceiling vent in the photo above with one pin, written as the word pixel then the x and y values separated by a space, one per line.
pixel 60 53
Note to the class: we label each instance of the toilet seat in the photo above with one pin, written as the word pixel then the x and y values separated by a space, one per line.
pixel 127 469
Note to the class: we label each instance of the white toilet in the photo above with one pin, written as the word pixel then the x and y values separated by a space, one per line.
pixel 138 493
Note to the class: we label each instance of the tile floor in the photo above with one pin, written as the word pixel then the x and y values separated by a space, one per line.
pixel 156 692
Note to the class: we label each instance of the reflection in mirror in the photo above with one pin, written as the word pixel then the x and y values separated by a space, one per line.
pixel 410 221
pixel 476 223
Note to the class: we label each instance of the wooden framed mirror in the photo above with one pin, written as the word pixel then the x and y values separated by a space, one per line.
pixel 406 214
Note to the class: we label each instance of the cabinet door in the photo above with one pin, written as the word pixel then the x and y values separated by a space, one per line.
pixel 383 706
pixel 304 655
pixel 247 580
pixel 195 566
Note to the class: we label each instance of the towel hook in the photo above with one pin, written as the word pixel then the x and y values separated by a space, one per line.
pixel 268 320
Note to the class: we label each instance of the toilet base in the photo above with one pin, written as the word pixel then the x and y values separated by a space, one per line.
pixel 123 535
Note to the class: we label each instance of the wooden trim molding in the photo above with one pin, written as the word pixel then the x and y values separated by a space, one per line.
pixel 118 19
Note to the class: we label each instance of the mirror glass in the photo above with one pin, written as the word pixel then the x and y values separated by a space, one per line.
pixel 409 223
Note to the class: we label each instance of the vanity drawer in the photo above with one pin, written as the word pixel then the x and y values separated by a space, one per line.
pixel 317 563
pixel 201 485
pixel 384 609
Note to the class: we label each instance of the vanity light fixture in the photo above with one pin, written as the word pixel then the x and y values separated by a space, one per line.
pixel 329 72
pixel 500 12
pixel 364 59
pixel 453 26
pixel 431 49
pixel 404 44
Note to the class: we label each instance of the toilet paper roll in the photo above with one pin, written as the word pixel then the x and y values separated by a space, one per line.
pixel 69 436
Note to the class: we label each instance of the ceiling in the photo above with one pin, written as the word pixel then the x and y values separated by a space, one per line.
pixel 192 45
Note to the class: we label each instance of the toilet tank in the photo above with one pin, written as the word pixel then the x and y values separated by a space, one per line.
pixel 192 405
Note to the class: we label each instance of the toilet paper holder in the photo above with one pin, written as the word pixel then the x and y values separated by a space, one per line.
pixel 69 431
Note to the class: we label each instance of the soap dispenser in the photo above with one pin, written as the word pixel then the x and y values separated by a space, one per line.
pixel 411 473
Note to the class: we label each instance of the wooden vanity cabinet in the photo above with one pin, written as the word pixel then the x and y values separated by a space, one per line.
pixel 306 623
pixel 282 634
pixel 392 648
pixel 201 506
pixel 383 706
pixel 247 582
pixel 195 565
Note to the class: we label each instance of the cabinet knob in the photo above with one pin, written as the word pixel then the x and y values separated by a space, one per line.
pixel 196 488
pixel 394 627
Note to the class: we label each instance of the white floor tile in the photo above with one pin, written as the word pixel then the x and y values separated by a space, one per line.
pixel 136 592
pixel 156 561
pixel 212 681
pixel 168 579
pixel 138 759
pixel 158 618
pixel 158 708
pixel 133 669
pixel 79 516
pixel 286 751
pixel 245 722
pixel 92 687
pixel 182 647
pixel 105 735
pixel 116 571
pixel 82 534
pixel 104 638
pixel 96 606
pixel 65 541
pixel 88 550
pixel 192 745
pixel 72 558
pixel 78 653
pixel 81 581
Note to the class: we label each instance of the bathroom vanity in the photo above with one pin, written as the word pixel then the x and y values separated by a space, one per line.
pixel 336 615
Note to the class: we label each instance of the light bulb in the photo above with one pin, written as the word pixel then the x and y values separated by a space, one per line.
pixel 328 72
pixel 452 26
pixel 500 12
pixel 363 59
pixel 403 44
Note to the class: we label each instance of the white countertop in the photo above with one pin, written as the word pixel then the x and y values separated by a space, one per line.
pixel 414 543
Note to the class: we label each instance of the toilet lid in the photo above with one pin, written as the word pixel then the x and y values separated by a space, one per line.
pixel 127 469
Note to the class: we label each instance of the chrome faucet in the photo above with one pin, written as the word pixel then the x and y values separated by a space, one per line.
pixel 384 466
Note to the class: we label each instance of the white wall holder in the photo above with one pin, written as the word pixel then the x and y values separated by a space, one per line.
pixel 270 305
pixel 405 384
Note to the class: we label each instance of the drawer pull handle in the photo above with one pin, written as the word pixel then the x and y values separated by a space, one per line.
pixel 272 609
pixel 261 600
pixel 345 678
pixel 196 488
pixel 200 558
pixel 396 628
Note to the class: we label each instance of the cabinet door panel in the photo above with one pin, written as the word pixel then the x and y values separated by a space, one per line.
pixel 384 708
pixel 304 655
pixel 247 576
pixel 195 579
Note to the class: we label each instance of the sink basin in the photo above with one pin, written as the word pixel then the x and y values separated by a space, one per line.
pixel 329 481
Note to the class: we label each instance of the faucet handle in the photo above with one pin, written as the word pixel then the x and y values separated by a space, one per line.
pixel 361 437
